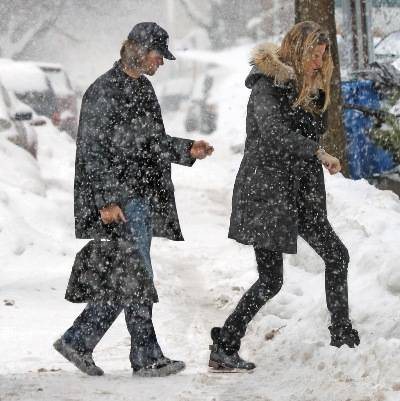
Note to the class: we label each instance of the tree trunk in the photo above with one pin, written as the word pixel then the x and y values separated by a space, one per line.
pixel 311 10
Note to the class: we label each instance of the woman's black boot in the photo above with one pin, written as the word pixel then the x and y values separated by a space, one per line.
pixel 344 334
pixel 220 360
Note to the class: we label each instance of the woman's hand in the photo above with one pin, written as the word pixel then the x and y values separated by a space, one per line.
pixel 331 163
pixel 112 214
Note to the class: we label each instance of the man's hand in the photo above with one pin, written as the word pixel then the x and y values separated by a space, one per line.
pixel 112 214
pixel 330 162
pixel 201 149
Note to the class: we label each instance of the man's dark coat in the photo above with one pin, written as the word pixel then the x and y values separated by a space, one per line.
pixel 122 152
pixel 280 183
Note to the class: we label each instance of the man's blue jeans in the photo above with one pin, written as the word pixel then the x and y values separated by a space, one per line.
pixel 138 213
pixel 91 325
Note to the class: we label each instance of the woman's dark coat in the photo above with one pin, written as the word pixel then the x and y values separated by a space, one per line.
pixel 122 152
pixel 280 183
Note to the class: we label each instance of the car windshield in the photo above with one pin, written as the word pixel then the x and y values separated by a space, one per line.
pixel 30 84
pixel 59 82
pixel 389 45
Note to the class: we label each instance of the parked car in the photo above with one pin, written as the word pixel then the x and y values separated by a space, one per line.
pixel 66 115
pixel 175 91
pixel 202 114
pixel 16 121
pixel 31 86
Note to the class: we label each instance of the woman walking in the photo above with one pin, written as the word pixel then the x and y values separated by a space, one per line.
pixel 279 191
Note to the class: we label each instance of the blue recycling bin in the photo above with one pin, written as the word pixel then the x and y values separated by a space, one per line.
pixel 364 157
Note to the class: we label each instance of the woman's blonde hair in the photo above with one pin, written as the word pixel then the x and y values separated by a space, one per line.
pixel 295 50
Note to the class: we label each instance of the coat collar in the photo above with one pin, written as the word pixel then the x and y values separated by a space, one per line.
pixel 265 58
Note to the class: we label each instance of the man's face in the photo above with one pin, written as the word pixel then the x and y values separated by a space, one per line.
pixel 151 62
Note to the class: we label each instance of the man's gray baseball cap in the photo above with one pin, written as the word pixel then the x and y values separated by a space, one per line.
pixel 151 36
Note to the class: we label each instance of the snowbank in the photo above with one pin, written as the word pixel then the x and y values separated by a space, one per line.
pixel 36 204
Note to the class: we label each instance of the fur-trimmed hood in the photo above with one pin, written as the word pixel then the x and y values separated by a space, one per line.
pixel 265 61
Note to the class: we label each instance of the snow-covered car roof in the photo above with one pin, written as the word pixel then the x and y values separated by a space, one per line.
pixel 58 78
pixel 22 76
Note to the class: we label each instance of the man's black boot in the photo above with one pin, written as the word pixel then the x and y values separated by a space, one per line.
pixel 344 334
pixel 84 362
pixel 221 360
pixel 161 367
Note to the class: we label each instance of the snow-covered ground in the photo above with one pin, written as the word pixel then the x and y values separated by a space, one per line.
pixel 199 282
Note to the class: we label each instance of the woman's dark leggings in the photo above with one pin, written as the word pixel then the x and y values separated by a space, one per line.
pixel 326 243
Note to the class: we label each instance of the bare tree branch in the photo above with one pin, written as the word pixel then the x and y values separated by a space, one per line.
pixel 66 34
pixel 98 9
pixel 43 28
pixel 21 26
pixel 194 17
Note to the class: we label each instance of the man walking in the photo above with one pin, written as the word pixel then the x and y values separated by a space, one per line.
pixel 123 197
